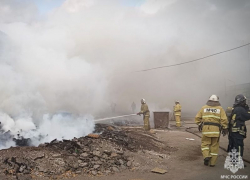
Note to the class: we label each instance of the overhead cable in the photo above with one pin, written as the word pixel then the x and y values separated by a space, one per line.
pixel 167 66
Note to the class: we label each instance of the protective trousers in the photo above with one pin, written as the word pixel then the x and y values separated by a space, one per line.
pixel 236 141
pixel 146 123
pixel 210 148
pixel 178 121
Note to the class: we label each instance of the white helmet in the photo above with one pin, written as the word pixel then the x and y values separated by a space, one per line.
pixel 143 101
pixel 214 98
pixel 177 101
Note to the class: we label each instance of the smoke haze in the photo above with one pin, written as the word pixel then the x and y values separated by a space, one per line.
pixel 82 56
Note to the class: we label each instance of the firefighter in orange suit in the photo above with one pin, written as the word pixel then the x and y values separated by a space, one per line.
pixel 177 113
pixel 211 120
pixel 146 114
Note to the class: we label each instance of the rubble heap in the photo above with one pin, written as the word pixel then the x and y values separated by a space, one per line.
pixel 103 152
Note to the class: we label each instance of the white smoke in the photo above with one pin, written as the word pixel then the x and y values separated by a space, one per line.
pixel 58 126
pixel 8 144
pixel 81 56
pixel 16 125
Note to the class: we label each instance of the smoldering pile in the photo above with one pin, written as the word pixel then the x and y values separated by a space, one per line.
pixel 104 152
pixel 27 131
pixel 17 140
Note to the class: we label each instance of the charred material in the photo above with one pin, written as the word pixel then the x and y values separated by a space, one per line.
pixel 7 136
pixel 107 152
pixel 21 141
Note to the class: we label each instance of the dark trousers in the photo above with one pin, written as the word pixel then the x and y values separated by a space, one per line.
pixel 236 141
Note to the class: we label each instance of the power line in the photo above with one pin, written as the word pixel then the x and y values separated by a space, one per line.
pixel 194 59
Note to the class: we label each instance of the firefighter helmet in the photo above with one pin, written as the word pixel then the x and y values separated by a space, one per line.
pixel 240 99
pixel 143 101
pixel 214 98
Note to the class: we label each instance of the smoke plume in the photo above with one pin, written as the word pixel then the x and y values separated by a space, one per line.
pixel 81 57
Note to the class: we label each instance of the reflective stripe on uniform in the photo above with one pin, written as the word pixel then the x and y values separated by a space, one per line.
pixel 178 122
pixel 204 148
pixel 214 154
pixel 212 116
pixel 210 132
pixel 239 152
pixel 242 132
pixel 235 129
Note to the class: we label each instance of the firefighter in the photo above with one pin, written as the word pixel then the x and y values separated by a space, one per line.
pixel 237 126
pixel 146 114
pixel 177 113
pixel 211 120
pixel 229 111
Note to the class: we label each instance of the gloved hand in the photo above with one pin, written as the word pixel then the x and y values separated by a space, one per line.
pixel 138 113
pixel 200 127
pixel 224 132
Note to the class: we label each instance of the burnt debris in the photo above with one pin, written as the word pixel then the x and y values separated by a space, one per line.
pixel 103 152
pixel 6 137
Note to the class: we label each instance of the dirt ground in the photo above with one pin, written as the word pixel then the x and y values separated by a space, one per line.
pixel 183 164
pixel 182 160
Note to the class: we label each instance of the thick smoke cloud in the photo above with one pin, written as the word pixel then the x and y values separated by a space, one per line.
pixel 82 56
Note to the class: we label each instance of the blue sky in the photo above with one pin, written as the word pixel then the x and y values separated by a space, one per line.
pixel 45 6
pixel 132 2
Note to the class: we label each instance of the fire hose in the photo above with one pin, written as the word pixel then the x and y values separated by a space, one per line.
pixel 103 119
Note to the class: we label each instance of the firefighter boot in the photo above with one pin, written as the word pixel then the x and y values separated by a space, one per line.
pixel 206 161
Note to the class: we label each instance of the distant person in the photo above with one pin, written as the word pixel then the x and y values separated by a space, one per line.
pixel 146 114
pixel 133 106
pixel 229 111
pixel 211 119
pixel 177 113
pixel 237 127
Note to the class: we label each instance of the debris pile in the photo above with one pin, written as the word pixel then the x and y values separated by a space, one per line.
pixel 7 136
pixel 101 153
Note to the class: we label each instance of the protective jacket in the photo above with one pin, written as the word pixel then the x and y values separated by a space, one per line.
pixel 213 118
pixel 229 111
pixel 144 110
pixel 177 110
pixel 237 121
